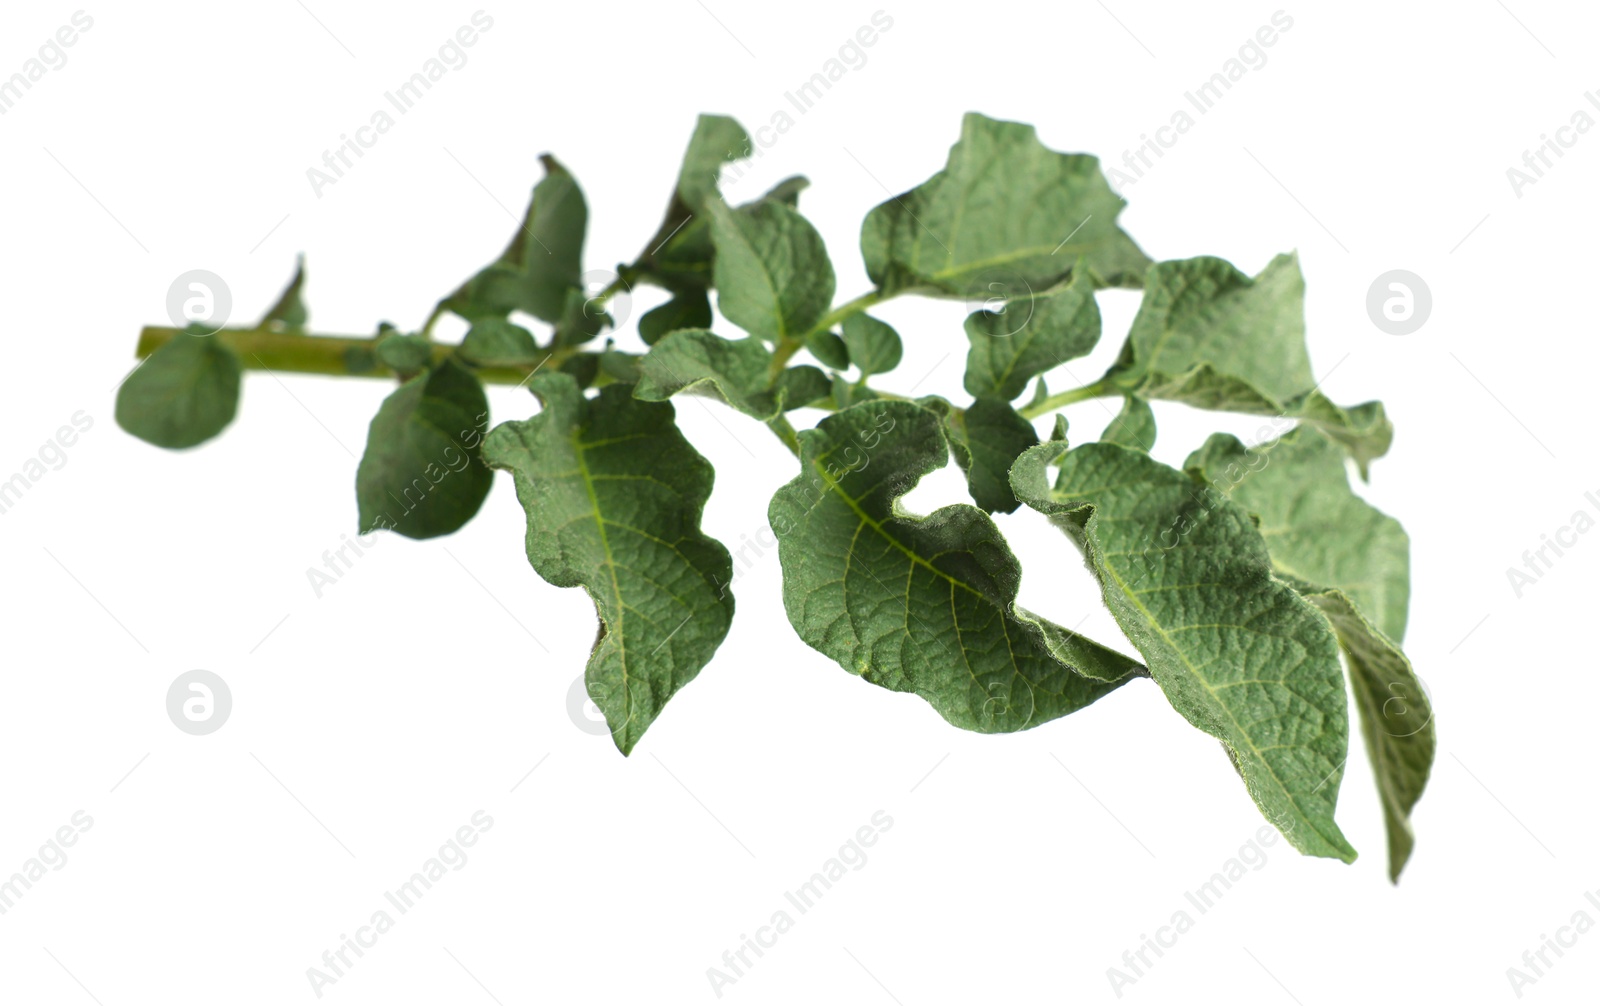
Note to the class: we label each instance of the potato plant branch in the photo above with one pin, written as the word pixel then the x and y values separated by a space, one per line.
pixel 1099 389
pixel 332 355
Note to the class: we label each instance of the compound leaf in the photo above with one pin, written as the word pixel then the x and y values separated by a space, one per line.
pixel 1006 211
pixel 614 496
pixel 184 394
pixel 420 475
pixel 920 604
pixel 1239 653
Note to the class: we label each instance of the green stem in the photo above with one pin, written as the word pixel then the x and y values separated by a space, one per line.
pixel 332 355
pixel 788 346
pixel 785 431
pixel 1099 389
pixel 871 298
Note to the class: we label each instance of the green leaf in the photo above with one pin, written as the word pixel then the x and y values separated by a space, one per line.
pixel 717 140
pixel 404 354
pixel 1352 561
pixel 614 496
pixel 772 272
pixel 1396 718
pixel 581 367
pixel 800 386
pixel 874 346
pixel 919 604
pixel 543 263
pixel 289 311
pixel 420 475
pixel 734 371
pixel 1134 426
pixel 788 191
pixel 1316 528
pixel 679 255
pixel 1007 211
pixel 1212 337
pixel 1028 337
pixel 829 349
pixel 496 342
pixel 986 439
pixel 183 395
pixel 689 309
pixel 1239 653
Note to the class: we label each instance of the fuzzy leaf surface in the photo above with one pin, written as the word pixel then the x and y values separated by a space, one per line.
pixel 183 395
pixel 1353 562
pixel 920 604
pixel 1006 213
pixel 614 496
pixel 1239 654
pixel 420 475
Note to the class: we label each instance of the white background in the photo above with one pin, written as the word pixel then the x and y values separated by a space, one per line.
pixel 374 721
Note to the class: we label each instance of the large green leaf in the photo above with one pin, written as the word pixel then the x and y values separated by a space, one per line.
pixel 614 495
pixel 773 276
pixel 737 371
pixel 421 475
pixel 920 604
pixel 183 395
pixel 1212 337
pixel 1006 213
pixel 1029 336
pixel 1352 561
pixel 1239 653
pixel 543 265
